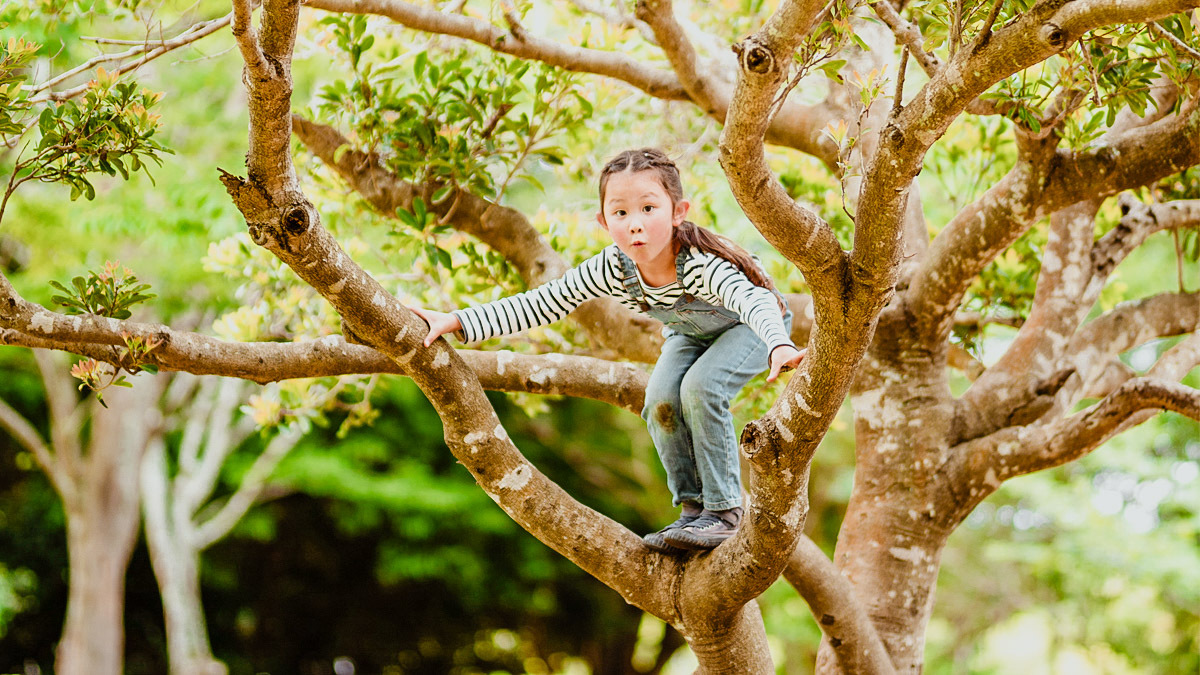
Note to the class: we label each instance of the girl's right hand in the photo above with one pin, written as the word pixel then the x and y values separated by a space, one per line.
pixel 440 323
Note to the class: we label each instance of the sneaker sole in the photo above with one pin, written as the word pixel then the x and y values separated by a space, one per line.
pixel 694 542
pixel 656 542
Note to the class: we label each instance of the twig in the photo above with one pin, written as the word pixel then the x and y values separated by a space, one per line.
pixel 150 50
pixel 908 35
pixel 986 34
pixel 1175 42
pixel 896 106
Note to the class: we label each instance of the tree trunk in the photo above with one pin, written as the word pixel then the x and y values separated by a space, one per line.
pixel 176 561
pixel 736 647
pixel 93 639
pixel 102 527
pixel 187 636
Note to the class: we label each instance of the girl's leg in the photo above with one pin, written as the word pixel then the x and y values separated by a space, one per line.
pixel 664 417
pixel 713 380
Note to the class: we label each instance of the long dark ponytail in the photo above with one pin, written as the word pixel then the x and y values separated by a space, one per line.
pixel 688 233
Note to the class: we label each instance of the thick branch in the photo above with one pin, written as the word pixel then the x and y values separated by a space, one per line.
pixel 619 384
pixel 660 16
pixel 842 617
pixel 908 35
pixel 800 235
pixel 1074 272
pixel 504 229
pixel 1033 189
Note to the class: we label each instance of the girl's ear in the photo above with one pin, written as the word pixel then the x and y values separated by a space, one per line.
pixel 681 209
pixel 600 219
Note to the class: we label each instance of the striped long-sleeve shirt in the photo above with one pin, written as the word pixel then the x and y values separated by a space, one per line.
pixel 708 277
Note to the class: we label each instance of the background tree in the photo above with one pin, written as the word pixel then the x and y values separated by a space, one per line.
pixel 1088 105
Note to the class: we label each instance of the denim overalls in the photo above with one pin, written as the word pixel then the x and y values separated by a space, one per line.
pixel 708 357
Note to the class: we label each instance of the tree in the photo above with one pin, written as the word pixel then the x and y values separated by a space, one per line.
pixel 1095 99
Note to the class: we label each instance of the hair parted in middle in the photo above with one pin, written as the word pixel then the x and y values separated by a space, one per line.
pixel 688 233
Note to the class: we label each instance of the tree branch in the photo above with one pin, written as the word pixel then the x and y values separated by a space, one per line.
pixel 836 607
pixel 1074 272
pixel 908 35
pixel 1035 187
pixel 660 16
pixel 1165 34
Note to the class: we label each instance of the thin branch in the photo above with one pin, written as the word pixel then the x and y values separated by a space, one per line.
pixel 150 49
pixel 20 429
pixel 898 97
pixel 618 18
pixel 838 610
pixel 1175 42
pixel 248 490
pixel 247 39
pixel 986 34
pixel 908 35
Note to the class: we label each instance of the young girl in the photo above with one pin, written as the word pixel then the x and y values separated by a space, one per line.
pixel 724 325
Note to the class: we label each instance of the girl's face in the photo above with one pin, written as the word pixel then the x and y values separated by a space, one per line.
pixel 640 216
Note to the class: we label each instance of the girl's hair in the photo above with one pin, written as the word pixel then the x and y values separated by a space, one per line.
pixel 688 233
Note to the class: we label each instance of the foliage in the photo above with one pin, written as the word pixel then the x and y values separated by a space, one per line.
pixel 110 292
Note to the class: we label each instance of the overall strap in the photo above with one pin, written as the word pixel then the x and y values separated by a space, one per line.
pixel 680 261
pixel 629 279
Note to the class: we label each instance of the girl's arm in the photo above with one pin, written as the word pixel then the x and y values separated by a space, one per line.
pixel 543 305
pixel 756 306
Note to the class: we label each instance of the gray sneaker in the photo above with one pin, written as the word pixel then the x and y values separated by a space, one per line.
pixel 656 541
pixel 706 532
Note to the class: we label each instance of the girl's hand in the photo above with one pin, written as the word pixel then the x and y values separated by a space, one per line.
pixel 784 357
pixel 440 323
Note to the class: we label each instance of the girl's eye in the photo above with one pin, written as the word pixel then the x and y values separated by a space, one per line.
pixel 647 208
pixel 620 213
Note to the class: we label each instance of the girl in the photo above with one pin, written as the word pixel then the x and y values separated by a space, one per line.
pixel 723 325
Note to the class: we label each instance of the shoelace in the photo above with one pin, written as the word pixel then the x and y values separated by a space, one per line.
pixel 706 522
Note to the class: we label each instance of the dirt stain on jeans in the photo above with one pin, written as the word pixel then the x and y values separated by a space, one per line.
pixel 664 414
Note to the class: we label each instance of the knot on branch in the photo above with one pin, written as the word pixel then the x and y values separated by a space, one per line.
pixel 296 219
pixel 1054 36
pixel 754 56
pixel 895 135
pixel 258 234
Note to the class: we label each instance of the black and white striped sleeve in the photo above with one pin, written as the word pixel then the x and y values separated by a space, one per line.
pixel 543 305
pixel 723 283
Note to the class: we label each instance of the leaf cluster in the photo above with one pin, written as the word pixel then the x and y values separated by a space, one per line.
pixel 110 292
pixel 111 132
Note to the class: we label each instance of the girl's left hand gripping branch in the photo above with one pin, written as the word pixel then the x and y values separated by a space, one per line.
pixel 440 323
pixel 784 357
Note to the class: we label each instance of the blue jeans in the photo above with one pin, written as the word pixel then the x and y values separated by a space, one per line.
pixel 687 412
